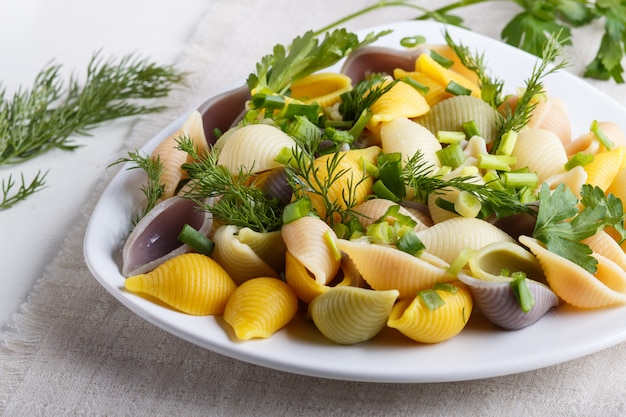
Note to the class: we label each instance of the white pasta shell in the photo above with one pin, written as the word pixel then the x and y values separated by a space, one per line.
pixel 551 114
pixel 306 239
pixel 407 137
pixel 451 113
pixel 350 315
pixel 238 259
pixel 253 147
pixel 371 210
pixel 575 285
pixel 387 268
pixel 574 179
pixel 439 214
pixel 447 239
pixel 588 143
pixel 541 151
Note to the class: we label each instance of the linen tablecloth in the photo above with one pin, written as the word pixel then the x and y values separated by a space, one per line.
pixel 72 349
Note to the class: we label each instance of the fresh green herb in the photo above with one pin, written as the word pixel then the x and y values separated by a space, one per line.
pixel 539 23
pixel 46 116
pixel 561 226
pixel 153 189
pixel 356 103
pixel 10 196
pixel 241 201
pixel 276 72
pixel 417 175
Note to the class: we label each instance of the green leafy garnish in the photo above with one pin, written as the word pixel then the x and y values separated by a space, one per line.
pixel 45 117
pixel 241 201
pixel 561 225
pixel 153 189
pixel 276 72
pixel 10 196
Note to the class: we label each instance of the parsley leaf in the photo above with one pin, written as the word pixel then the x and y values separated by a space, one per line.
pixel 561 225
pixel 607 63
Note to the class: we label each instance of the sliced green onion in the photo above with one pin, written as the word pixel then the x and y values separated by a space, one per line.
pixel 449 136
pixel 285 157
pixel 393 215
pixel 196 240
pixel 415 84
pixel 446 286
pixel 412 41
pixel 441 60
pixel 601 136
pixel 381 190
pixel 304 130
pixel 410 243
pixel 296 210
pixel 467 205
pixel 470 128
pixel 445 204
pixel 431 299
pixel 332 244
pixel 457 89
pixel 460 261
pixel 522 293
pixel 338 136
pixel 451 156
pixel 497 162
pixel 520 179
pixel 360 123
pixel 493 180
pixel 390 172
pixel 507 143
pixel 310 111
pixel 580 159
pixel 380 233
pixel 271 101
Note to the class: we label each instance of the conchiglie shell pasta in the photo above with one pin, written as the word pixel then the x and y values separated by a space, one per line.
pixel 550 113
pixel 350 315
pixel 172 158
pixel 192 283
pixel 401 101
pixel 436 92
pixel 605 167
pixel 589 142
pixel 238 259
pixel 306 240
pixel 576 286
pixel 268 245
pixel 426 64
pixel 252 147
pixel 602 243
pixel 371 210
pixel 541 151
pixel 386 268
pixel 618 186
pixel 407 137
pixel 440 214
pixel 451 113
pixel 414 319
pixel 260 307
pixel 447 239
pixel 354 173
pixel 574 179
pixel 324 88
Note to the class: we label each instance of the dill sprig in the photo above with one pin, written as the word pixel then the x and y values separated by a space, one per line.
pixel 306 179
pixel 417 175
pixel 153 188
pixel 43 117
pixel 10 196
pixel 515 120
pixel 234 199
pixel 491 87
pixel 363 96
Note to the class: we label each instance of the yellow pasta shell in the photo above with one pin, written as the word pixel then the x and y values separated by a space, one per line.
pixel 604 167
pixel 602 243
pixel 269 246
pixel 325 88
pixel 260 307
pixel 414 319
pixel 387 268
pixel 436 92
pixel 575 285
pixel 618 186
pixel 350 315
pixel 401 101
pixel 354 173
pixel 426 64
pixel 192 283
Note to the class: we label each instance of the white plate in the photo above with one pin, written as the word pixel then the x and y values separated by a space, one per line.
pixel 480 351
